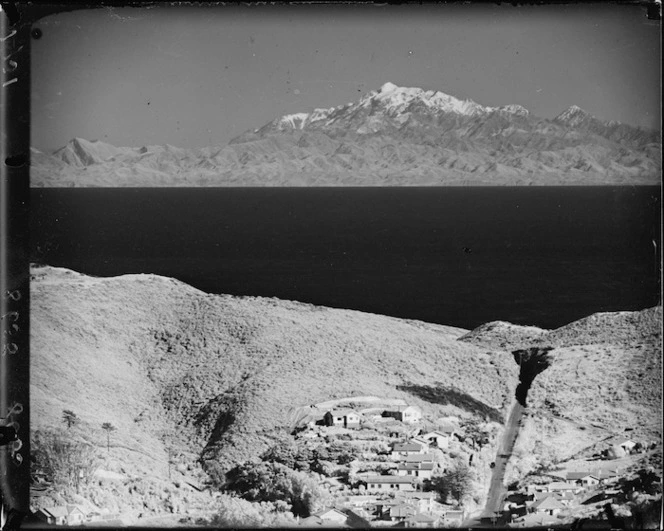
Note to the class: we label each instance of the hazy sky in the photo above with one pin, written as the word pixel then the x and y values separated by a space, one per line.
pixel 200 76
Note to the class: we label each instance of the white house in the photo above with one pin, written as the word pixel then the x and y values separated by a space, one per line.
pixel 416 470
pixel 346 418
pixel 563 486
pixel 61 515
pixel 407 414
pixel 582 478
pixel 423 520
pixel 423 501
pixel 626 444
pixel 410 448
pixel 389 483
pixel 438 438
pixel 549 505
pixel 332 515
pixel 418 458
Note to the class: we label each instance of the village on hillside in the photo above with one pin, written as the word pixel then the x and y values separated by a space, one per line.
pixel 402 487
pixel 381 463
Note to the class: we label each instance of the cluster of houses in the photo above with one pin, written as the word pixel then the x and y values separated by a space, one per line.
pixel 405 509
pixel 351 419
pixel 73 515
pixel 542 504
pixel 392 499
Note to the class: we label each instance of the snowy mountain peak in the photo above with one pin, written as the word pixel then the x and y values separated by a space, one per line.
pixel 294 121
pixel 388 87
pixel 573 116
pixel 396 99
pixel 515 109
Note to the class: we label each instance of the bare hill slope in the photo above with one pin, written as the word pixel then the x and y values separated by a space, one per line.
pixel 604 379
pixel 222 378
pixel 150 354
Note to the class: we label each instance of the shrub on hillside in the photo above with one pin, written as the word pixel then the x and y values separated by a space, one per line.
pixel 455 483
pixel 336 452
pixel 61 460
pixel 289 454
pixel 235 513
pixel 274 482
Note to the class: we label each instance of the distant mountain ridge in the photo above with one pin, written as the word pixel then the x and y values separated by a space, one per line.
pixel 394 136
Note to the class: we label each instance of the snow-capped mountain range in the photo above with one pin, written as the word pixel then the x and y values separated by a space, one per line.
pixel 392 136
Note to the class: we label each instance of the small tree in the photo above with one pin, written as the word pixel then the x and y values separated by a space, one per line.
pixel 69 417
pixel 109 428
pixel 455 483
pixel 59 459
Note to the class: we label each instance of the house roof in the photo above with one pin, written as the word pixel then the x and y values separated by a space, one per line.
pixel 438 433
pixel 565 495
pixel 422 518
pixel 561 485
pixel 416 495
pixel 403 408
pixel 342 412
pixel 418 458
pixel 446 427
pixel 388 479
pixel 408 447
pixel 329 512
pixel 315 521
pixel 532 520
pixel 416 466
pixel 579 475
pixel 402 510
pixel 548 502
pixel 57 512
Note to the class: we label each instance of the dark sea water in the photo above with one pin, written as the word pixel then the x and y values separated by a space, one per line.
pixel 457 256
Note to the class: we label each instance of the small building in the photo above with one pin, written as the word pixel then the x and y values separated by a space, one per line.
pixel 626 444
pixel 582 478
pixel 389 483
pixel 399 512
pixel 333 515
pixel 438 438
pixel 358 500
pixel 534 520
pixel 61 515
pixel 563 486
pixel 407 414
pixel 417 470
pixel 346 418
pixel 566 498
pixel 410 448
pixel 418 439
pixel 453 518
pixel 418 458
pixel 549 505
pixel 423 520
pixel 325 518
pixel 423 501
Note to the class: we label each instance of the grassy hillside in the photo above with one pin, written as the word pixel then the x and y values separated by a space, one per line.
pixel 156 357
pixel 604 379
pixel 189 379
